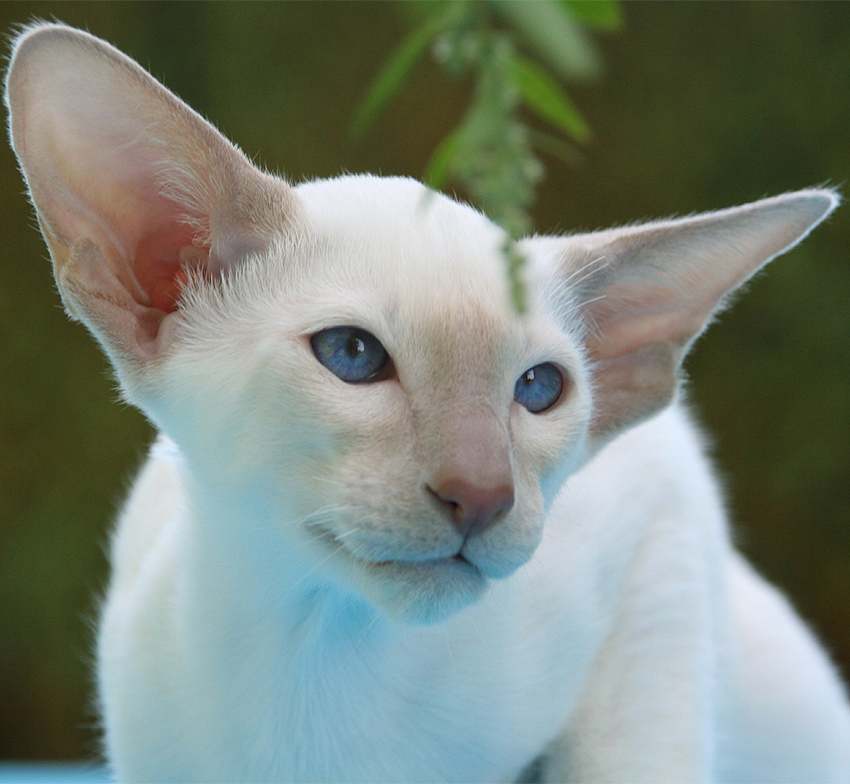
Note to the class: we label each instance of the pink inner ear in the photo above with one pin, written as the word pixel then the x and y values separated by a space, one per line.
pixel 122 209
pixel 123 202
pixel 157 264
pixel 629 318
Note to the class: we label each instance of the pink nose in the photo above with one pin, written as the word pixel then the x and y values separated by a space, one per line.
pixel 473 508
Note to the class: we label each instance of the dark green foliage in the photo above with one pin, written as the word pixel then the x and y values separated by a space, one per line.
pixel 397 69
pixel 544 95
pixel 701 105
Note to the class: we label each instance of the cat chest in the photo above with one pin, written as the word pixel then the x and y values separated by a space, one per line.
pixel 402 710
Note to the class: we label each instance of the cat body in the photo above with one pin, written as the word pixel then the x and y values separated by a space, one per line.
pixel 396 530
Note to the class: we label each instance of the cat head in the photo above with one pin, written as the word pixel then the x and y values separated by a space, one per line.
pixel 340 360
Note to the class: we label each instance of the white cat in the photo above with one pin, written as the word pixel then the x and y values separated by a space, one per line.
pixel 396 531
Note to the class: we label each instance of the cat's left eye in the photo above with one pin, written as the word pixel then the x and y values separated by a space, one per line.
pixel 539 388
pixel 352 354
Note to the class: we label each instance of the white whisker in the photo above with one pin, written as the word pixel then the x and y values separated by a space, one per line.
pixel 360 639
pixel 355 529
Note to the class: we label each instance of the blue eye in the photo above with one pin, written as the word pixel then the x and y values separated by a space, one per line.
pixel 351 354
pixel 539 387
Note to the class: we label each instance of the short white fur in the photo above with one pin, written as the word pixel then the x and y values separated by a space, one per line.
pixel 293 597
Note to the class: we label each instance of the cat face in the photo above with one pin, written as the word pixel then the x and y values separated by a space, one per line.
pixel 339 362
pixel 417 485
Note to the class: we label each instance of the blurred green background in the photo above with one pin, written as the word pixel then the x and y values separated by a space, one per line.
pixel 702 105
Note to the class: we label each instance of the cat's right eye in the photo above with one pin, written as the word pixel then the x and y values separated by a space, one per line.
pixel 352 354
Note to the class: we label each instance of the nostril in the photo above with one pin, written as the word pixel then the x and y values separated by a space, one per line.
pixel 450 508
pixel 448 503
pixel 473 508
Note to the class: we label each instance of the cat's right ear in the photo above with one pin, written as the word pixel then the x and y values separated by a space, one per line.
pixel 129 185
pixel 646 292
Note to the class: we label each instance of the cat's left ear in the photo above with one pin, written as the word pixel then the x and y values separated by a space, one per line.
pixel 646 292
pixel 130 186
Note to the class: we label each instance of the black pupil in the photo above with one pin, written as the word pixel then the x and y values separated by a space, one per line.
pixel 355 347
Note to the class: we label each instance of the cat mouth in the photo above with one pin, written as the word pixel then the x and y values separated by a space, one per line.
pixel 330 540
pixel 421 591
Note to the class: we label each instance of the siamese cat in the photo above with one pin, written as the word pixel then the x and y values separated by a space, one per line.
pixel 394 530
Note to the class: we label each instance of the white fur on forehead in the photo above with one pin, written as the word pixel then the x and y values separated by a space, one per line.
pixel 402 231
pixel 440 261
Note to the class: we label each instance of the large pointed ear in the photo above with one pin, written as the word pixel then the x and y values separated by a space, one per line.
pixel 646 292
pixel 130 187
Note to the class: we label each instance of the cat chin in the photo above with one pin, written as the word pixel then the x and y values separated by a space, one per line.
pixel 424 592
pixel 417 592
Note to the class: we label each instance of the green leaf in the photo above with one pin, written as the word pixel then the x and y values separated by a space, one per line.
pixel 555 147
pixel 543 95
pixel 439 166
pixel 516 262
pixel 599 14
pixel 396 71
pixel 551 30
